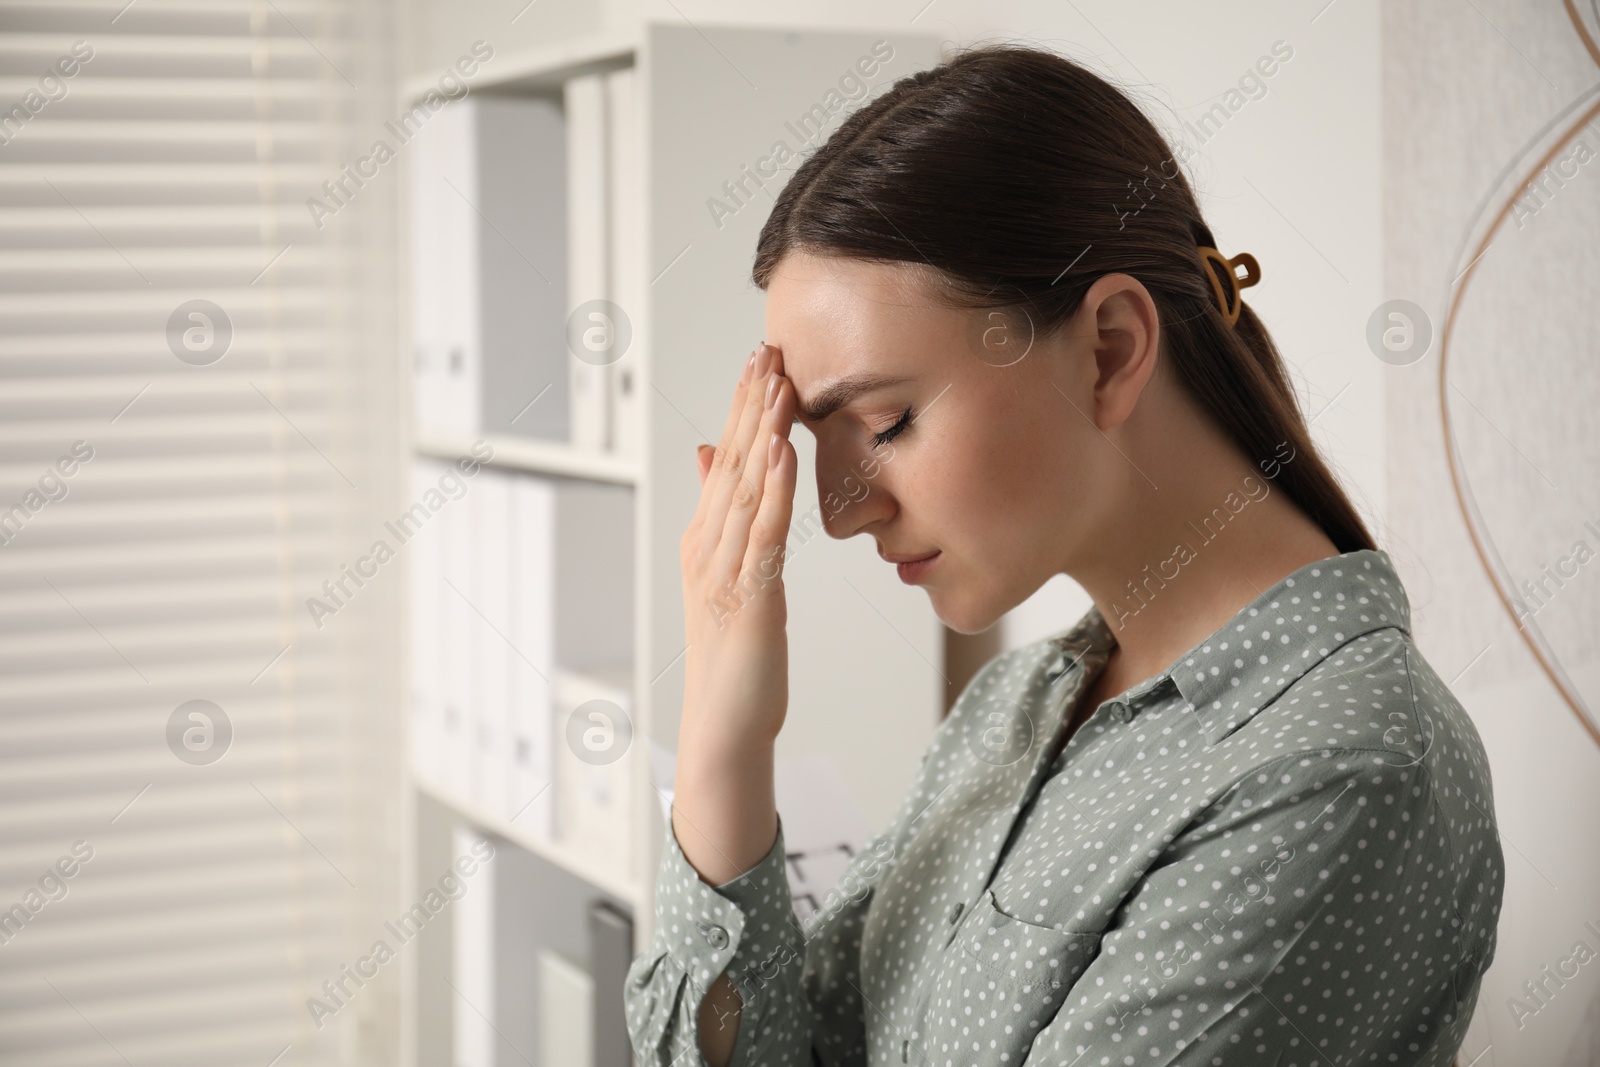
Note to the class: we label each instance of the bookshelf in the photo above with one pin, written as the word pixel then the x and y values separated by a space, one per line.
pixel 533 457
pixel 712 105
pixel 551 851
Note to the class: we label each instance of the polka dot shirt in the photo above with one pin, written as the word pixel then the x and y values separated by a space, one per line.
pixel 1280 851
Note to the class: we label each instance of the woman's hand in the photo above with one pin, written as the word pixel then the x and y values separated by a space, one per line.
pixel 736 686
pixel 737 672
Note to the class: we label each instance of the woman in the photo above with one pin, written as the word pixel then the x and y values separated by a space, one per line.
pixel 1230 817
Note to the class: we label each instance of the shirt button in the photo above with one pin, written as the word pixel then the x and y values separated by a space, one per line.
pixel 1121 713
pixel 715 935
pixel 905 1051
pixel 955 912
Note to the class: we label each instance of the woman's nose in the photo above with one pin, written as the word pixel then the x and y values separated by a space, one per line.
pixel 851 495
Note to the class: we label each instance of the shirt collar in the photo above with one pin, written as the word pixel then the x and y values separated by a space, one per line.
pixel 1271 642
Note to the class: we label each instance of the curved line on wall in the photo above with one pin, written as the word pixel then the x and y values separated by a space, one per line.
pixel 1477 530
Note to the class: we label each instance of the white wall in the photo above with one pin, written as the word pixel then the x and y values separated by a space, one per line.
pixel 1461 131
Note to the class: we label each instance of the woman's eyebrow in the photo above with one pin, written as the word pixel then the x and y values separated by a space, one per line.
pixel 839 392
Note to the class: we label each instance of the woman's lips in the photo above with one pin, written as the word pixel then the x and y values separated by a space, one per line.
pixel 913 571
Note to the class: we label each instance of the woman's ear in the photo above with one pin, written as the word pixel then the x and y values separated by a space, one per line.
pixel 1126 344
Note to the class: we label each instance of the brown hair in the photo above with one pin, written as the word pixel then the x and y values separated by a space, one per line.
pixel 1022 177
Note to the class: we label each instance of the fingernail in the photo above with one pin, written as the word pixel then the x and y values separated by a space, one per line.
pixel 763 361
pixel 774 450
pixel 749 365
pixel 772 391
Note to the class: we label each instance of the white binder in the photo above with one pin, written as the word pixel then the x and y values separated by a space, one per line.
pixel 627 253
pixel 472 918
pixel 489 269
pixel 530 791
pixel 444 277
pixel 455 649
pixel 424 550
pixel 489 496
pixel 594 780
pixel 587 250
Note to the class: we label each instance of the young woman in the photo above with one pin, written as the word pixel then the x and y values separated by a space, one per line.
pixel 1232 816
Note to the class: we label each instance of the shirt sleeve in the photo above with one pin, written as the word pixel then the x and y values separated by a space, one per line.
pixel 746 927
pixel 1254 937
pixel 797 983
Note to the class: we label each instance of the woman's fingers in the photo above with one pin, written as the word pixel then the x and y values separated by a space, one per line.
pixel 730 429
pixel 730 474
pixel 769 532
pixel 704 455
pixel 751 490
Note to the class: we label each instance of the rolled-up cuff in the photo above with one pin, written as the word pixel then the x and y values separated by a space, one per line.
pixel 746 926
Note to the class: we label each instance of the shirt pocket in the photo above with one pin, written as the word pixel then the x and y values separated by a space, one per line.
pixel 1004 981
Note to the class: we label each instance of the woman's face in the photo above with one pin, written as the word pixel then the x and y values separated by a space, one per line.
pixel 995 469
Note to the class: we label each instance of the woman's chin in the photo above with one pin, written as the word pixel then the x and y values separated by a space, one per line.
pixel 962 616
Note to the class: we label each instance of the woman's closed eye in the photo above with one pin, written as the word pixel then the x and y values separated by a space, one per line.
pixel 883 438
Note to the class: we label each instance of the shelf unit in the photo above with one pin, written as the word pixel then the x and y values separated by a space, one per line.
pixel 533 457
pixel 552 852
pixel 706 129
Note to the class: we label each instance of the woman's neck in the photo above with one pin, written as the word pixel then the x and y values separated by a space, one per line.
pixel 1159 605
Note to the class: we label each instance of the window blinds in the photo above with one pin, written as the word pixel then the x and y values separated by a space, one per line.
pixel 198 779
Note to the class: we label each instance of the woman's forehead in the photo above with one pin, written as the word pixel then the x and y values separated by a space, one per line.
pixel 835 317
